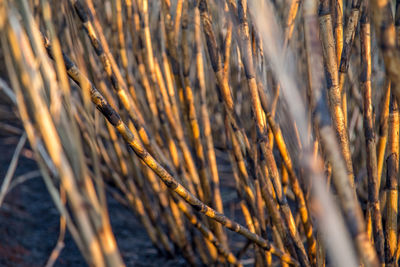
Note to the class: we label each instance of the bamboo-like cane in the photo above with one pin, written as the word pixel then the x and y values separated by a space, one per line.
pixel 192 115
pixel 383 130
pixel 338 28
pixel 333 86
pixel 210 152
pixel 175 120
pixel 101 223
pixel 290 21
pixel 215 56
pixel 125 98
pixel 351 207
pixel 347 196
pixel 63 167
pixel 104 45
pixel 384 26
pixel 148 60
pixel 297 190
pixel 369 132
pixel 208 234
pixel 133 141
pixel 87 23
pixel 256 102
pixel 37 146
pixel 261 127
pixel 347 45
pixel 391 183
pixel 122 46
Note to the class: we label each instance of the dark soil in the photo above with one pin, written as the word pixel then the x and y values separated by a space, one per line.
pixel 29 225
pixel 29 222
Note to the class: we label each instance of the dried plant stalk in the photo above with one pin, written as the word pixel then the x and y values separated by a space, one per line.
pixel 333 86
pixel 369 132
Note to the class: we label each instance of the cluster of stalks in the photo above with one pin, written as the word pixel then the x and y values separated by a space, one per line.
pixel 292 105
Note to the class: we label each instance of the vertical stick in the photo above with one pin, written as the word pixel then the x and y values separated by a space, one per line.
pixel 392 162
pixel 369 132
pixel 332 78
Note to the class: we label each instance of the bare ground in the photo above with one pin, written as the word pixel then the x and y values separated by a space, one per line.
pixel 29 225
pixel 29 222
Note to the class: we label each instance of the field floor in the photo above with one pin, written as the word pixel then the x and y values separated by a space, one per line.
pixel 29 225
pixel 29 221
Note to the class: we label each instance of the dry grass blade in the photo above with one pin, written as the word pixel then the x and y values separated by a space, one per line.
pixel 11 169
